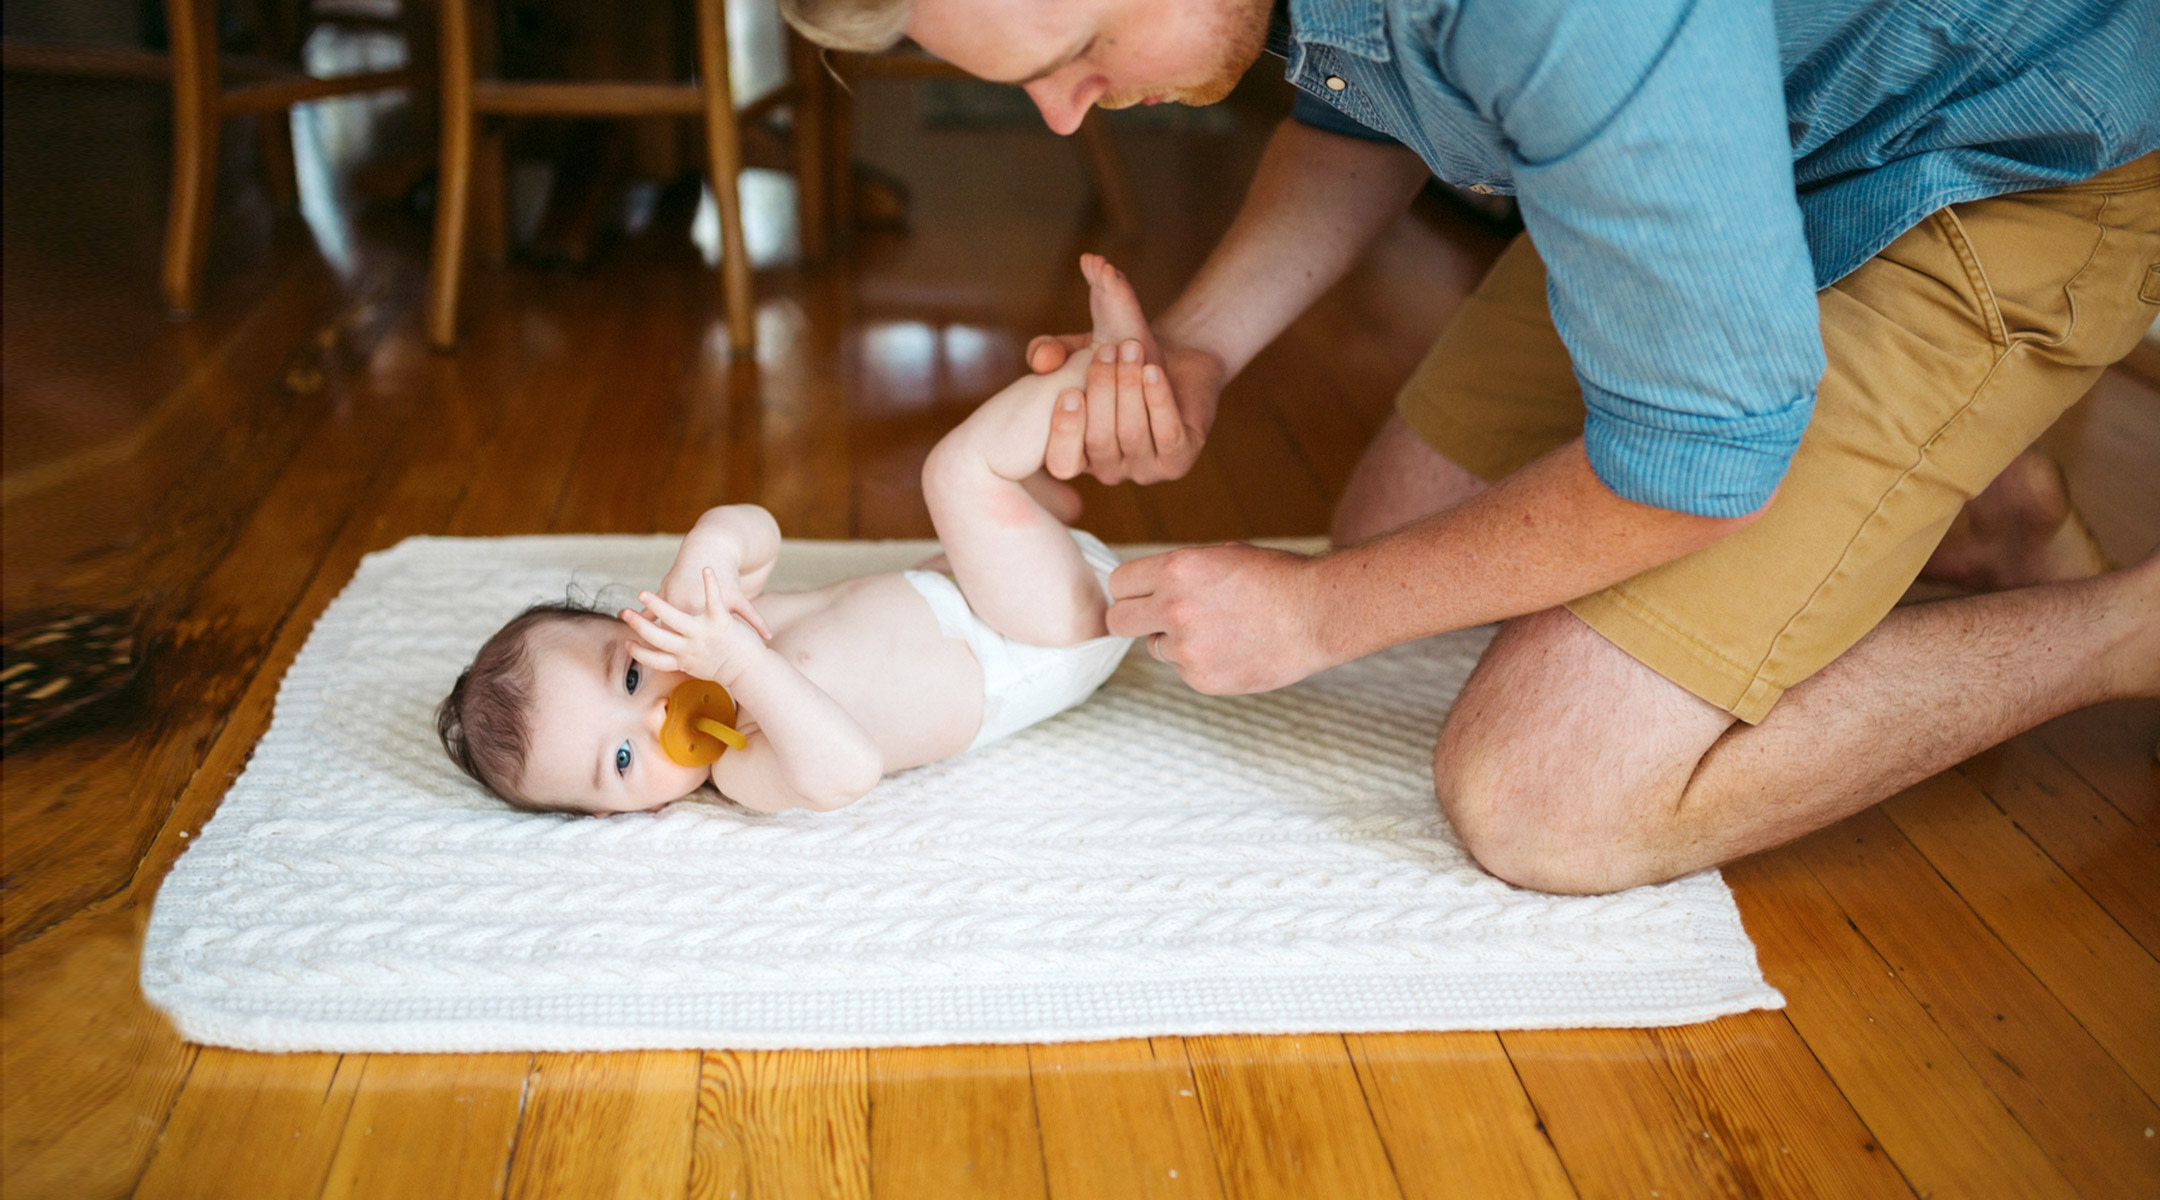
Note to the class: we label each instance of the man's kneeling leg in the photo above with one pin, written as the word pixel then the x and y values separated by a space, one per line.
pixel 1564 761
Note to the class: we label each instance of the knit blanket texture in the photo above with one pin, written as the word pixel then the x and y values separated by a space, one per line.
pixel 1154 861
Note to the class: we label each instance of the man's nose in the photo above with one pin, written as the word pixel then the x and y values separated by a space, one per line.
pixel 1065 98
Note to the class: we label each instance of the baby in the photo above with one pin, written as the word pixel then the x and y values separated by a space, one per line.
pixel 561 710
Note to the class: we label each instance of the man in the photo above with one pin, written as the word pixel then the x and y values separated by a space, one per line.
pixel 1801 283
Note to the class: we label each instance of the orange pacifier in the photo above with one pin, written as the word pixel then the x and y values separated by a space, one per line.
pixel 700 723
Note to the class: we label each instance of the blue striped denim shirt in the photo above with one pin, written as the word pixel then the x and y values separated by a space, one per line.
pixel 1692 170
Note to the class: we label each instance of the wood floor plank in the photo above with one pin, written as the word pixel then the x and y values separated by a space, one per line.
pixel 519 474
pixel 237 1103
pixel 2061 1085
pixel 1781 1122
pixel 78 814
pixel 784 1124
pixel 1197 508
pixel 91 1072
pixel 1287 1118
pixel 103 990
pixel 1273 487
pixel 803 418
pixel 716 461
pixel 1942 1126
pixel 1621 1123
pixel 616 477
pixel 954 1121
pixel 2112 748
pixel 2112 859
pixel 1121 1119
pixel 1454 1118
pixel 639 1106
pixel 435 1125
pixel 2098 971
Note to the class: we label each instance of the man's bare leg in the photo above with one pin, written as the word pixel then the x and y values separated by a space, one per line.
pixel 1567 766
pixel 1399 479
pixel 2020 531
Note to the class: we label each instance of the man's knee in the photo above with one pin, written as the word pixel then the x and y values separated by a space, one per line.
pixel 1503 813
pixel 1563 763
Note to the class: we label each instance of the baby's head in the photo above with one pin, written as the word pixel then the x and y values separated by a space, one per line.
pixel 554 715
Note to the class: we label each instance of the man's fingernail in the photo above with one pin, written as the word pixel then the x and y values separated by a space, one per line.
pixel 1130 351
pixel 1151 373
pixel 1106 354
pixel 1069 402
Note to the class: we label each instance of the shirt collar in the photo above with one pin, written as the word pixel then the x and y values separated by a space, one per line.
pixel 1356 26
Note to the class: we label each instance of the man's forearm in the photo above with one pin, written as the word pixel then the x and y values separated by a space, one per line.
pixel 1316 202
pixel 1541 537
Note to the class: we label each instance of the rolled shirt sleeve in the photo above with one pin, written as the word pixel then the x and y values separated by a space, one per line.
pixel 1654 174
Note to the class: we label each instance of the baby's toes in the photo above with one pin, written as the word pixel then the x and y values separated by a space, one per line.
pixel 1113 305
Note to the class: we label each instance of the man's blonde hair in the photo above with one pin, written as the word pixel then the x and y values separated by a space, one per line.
pixel 864 26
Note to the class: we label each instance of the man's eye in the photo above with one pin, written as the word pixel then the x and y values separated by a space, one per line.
pixel 622 758
pixel 630 677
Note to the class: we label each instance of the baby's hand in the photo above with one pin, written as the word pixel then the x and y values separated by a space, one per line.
pixel 710 644
pixel 687 582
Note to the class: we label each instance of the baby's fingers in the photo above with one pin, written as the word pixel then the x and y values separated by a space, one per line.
pixel 652 634
pixel 666 614
pixel 658 660
pixel 720 597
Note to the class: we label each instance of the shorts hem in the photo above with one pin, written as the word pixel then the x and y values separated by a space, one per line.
pixel 1679 658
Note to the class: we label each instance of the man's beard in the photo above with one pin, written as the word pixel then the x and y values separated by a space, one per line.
pixel 1242 33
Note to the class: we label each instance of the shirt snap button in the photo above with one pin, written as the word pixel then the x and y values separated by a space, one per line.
pixel 1335 83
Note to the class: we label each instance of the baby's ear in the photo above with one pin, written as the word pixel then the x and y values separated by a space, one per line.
pixel 1114 306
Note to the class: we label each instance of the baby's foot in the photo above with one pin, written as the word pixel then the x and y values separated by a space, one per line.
pixel 1114 307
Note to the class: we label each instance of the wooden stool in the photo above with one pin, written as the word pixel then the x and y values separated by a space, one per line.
pixel 910 62
pixel 200 105
pixel 472 169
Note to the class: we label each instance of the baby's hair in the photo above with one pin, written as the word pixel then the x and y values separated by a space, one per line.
pixel 484 721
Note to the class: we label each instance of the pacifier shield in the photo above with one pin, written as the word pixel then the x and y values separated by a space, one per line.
pixel 700 723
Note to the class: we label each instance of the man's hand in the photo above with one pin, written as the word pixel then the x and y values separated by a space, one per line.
pixel 1147 406
pixel 1231 619
pixel 708 643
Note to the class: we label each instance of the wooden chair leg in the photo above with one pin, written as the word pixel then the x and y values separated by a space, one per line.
pixel 723 155
pixel 274 156
pixel 812 213
pixel 489 206
pixel 193 26
pixel 453 190
pixel 840 163
pixel 1112 188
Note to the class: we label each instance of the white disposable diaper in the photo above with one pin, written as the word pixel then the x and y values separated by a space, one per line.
pixel 1023 684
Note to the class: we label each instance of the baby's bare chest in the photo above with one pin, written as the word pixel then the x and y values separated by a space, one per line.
pixel 874 645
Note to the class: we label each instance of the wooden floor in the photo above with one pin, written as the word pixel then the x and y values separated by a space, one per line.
pixel 1973 995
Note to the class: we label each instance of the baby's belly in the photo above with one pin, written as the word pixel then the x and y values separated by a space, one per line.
pixel 874 645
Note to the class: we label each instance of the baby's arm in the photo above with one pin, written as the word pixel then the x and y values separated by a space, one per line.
pixel 739 541
pixel 806 752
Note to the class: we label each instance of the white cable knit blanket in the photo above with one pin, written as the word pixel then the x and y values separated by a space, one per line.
pixel 1152 862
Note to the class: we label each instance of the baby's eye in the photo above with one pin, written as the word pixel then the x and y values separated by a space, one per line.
pixel 630 676
pixel 622 758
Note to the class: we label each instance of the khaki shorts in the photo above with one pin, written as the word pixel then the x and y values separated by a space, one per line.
pixel 1949 352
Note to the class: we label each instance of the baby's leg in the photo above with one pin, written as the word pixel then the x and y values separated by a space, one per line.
pixel 1014 560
